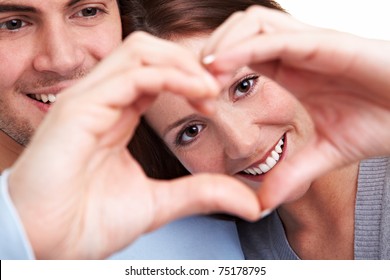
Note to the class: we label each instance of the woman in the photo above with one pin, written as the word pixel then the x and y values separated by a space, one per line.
pixel 258 125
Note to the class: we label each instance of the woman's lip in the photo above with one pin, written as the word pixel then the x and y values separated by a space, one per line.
pixel 256 164
pixel 260 177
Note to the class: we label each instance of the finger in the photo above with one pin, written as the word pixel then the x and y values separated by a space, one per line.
pixel 275 20
pixel 124 89
pixel 292 177
pixel 203 194
pixel 220 32
pixel 142 49
pixel 305 50
pixel 159 52
pixel 273 48
pixel 157 80
pixel 254 21
pixel 102 107
pixel 121 132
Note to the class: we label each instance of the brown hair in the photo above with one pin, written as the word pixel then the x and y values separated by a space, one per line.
pixel 126 19
pixel 170 19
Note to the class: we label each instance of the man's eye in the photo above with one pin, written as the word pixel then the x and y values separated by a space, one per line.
pixel 244 88
pixel 12 25
pixel 189 134
pixel 89 12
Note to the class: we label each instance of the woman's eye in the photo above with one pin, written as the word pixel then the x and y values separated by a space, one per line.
pixel 244 87
pixel 189 134
pixel 12 25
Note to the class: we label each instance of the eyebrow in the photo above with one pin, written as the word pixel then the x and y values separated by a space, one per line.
pixel 178 123
pixel 73 2
pixel 4 8
pixel 16 8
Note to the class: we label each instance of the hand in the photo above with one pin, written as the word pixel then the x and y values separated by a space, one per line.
pixel 342 80
pixel 79 192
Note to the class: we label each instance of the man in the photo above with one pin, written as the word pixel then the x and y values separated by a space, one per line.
pixel 45 48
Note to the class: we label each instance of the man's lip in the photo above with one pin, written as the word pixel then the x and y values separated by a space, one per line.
pixel 55 89
pixel 44 107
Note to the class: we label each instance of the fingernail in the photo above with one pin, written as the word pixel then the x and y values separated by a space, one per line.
pixel 208 59
pixel 265 213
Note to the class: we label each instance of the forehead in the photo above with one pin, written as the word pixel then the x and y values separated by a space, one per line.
pixel 11 3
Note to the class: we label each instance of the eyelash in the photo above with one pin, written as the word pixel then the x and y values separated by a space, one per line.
pixel 234 88
pixel 98 12
pixel 179 139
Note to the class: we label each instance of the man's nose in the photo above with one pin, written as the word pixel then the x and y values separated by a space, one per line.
pixel 60 52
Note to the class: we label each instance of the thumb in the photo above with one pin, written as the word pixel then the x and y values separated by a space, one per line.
pixel 291 178
pixel 203 194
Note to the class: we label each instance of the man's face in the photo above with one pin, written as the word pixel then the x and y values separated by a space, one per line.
pixel 45 46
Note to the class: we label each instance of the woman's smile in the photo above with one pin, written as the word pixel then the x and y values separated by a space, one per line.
pixel 257 170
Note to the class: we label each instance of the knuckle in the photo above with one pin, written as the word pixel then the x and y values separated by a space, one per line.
pixel 254 10
pixel 136 40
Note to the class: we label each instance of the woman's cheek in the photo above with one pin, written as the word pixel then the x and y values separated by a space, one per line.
pixel 277 99
pixel 201 162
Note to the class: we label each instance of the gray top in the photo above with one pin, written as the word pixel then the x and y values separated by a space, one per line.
pixel 266 239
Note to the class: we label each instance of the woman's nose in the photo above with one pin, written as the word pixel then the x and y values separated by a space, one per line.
pixel 239 135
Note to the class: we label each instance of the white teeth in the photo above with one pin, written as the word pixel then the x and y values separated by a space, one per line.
pixel 264 167
pixel 258 170
pixel 52 98
pixel 275 155
pixel 251 171
pixel 278 147
pixel 269 163
pixel 45 98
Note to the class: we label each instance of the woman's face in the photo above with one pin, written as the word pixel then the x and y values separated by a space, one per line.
pixel 256 125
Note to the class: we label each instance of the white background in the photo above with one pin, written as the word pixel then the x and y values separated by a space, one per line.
pixel 115 270
pixel 367 18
